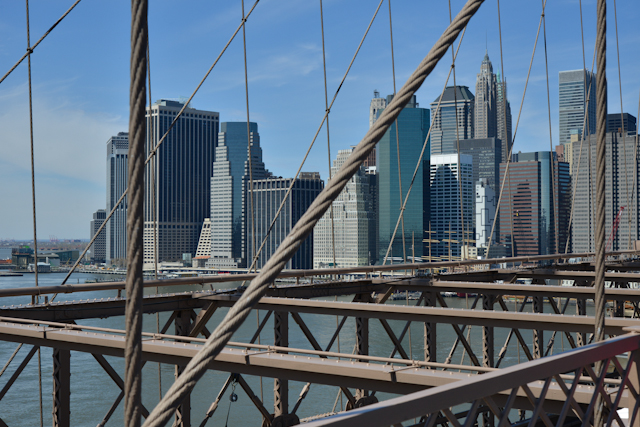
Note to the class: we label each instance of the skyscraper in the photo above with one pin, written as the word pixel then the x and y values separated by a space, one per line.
pixel 454 121
pixel 503 117
pixel 485 108
pixel 624 122
pixel 352 214
pixel 228 183
pixel 375 108
pixel 573 88
pixel 117 182
pixel 413 126
pixel 181 172
pixel 98 249
pixel 485 213
pixel 452 204
pixel 528 205
pixel 621 183
pixel 268 195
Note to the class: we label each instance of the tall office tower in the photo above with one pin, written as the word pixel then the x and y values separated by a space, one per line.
pixel 485 108
pixel 179 178
pixel 503 117
pixel 527 204
pixel 268 195
pixel 573 89
pixel 203 251
pixel 621 183
pixel 228 204
pixel 98 249
pixel 452 204
pixel 624 122
pixel 372 176
pixel 486 154
pixel 456 107
pixel 117 182
pixel 377 105
pixel 413 127
pixel 485 213
pixel 349 231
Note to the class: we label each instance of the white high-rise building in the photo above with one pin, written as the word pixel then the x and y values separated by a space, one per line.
pixel 117 182
pixel 451 214
pixel 485 212
pixel 351 220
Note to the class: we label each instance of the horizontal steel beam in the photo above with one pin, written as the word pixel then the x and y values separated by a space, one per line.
pixel 543 321
pixel 304 368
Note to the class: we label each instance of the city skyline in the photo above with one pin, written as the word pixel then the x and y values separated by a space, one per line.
pixel 75 112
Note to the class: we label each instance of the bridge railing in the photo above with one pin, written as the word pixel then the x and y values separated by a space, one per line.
pixel 573 375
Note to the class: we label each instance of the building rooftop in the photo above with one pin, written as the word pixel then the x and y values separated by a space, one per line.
pixel 461 93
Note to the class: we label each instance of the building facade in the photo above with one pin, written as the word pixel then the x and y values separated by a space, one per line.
pixel 178 177
pixel 348 233
pixel 228 184
pixel 574 86
pixel 99 247
pixel 117 183
pixel 413 127
pixel 621 183
pixel 452 205
pixel 454 121
pixel 535 203
pixel 485 213
pixel 620 123
pixel 486 101
pixel 268 195
pixel 504 118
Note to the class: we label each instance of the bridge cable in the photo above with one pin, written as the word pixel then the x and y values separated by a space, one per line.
pixel 455 105
pixel 624 131
pixel 31 48
pixel 33 198
pixel 135 215
pixel 236 315
pixel 506 172
pixel 393 69
pixel 552 163
pixel 424 147
pixel 155 148
pixel 326 106
pixel 326 115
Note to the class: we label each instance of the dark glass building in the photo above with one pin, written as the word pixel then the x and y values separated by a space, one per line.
pixel 413 126
pixel 179 177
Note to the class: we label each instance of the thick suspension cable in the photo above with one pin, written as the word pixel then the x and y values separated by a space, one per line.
pixel 236 315
pixel 135 215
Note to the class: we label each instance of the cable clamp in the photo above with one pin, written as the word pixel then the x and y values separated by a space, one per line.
pixel 29 50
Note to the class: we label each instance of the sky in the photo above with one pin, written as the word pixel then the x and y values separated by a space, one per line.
pixel 80 81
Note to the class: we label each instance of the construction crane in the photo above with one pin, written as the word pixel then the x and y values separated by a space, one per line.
pixel 614 230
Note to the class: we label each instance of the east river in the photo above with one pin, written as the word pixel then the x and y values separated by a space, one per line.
pixel 93 391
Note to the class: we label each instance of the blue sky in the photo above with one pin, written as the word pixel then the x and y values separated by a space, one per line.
pixel 80 81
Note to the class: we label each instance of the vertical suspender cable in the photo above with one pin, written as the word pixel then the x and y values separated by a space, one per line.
pixel 601 129
pixel 554 193
pixel 455 106
pixel 393 69
pixel 33 199
pixel 326 108
pixel 135 224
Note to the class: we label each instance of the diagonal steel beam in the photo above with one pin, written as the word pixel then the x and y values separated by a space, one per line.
pixel 200 321
pixel 18 371
pixel 461 338
pixel 256 401
pixel 516 331
pixel 264 322
pixel 397 344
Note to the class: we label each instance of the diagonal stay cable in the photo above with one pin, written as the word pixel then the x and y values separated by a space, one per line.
pixel 515 132
pixel 236 315
pixel 30 50
pixel 424 147
pixel 155 148
pixel 304 159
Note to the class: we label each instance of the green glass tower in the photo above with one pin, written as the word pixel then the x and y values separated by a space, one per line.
pixel 413 126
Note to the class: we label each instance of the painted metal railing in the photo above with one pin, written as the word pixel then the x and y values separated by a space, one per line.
pixel 525 386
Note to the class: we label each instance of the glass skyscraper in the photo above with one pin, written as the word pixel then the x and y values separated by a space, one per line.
pixel 444 135
pixel 413 126
pixel 573 88
pixel 117 182
pixel 179 177
pixel 228 183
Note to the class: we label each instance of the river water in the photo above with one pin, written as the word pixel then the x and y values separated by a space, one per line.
pixel 93 392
